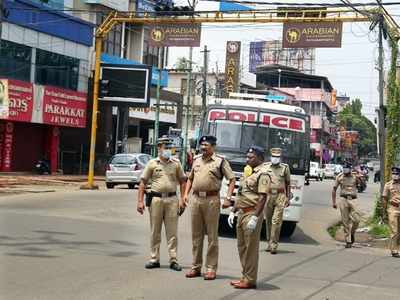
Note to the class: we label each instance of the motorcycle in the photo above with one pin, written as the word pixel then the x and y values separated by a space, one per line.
pixel 361 183
pixel 42 167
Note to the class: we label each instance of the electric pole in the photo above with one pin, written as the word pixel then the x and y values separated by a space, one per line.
pixel 204 89
pixel 189 94
pixel 381 124
pixel 157 118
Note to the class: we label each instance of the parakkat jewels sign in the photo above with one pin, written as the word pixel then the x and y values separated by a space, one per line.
pixel 175 35
pixel 312 35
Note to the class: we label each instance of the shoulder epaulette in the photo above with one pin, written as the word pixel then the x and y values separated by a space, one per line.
pixel 197 156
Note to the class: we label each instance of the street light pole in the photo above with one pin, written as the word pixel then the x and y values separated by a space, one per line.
pixel 381 127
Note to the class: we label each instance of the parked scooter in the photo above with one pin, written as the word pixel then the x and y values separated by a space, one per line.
pixel 42 167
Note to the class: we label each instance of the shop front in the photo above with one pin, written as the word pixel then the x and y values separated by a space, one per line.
pixel 30 129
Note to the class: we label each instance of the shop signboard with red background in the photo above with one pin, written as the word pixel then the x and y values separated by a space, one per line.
pixel 20 95
pixel 64 107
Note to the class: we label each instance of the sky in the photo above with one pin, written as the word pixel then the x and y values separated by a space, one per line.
pixel 351 69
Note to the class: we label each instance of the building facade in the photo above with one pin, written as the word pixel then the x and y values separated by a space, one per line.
pixel 44 71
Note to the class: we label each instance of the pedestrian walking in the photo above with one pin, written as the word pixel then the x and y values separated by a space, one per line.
pixel 391 204
pixel 204 181
pixel 279 198
pixel 163 174
pixel 250 203
pixel 347 181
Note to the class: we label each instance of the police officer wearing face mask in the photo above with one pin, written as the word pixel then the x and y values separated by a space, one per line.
pixel 391 203
pixel 348 202
pixel 279 194
pixel 164 174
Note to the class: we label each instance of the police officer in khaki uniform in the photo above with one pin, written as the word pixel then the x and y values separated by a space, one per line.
pixel 204 181
pixel 348 202
pixel 163 174
pixel 250 203
pixel 391 203
pixel 279 198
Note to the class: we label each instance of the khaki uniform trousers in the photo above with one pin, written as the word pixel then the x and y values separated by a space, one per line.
pixel 350 217
pixel 248 242
pixel 164 210
pixel 274 218
pixel 394 224
pixel 205 220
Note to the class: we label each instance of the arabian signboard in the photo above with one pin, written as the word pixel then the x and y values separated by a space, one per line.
pixel 232 67
pixel 175 35
pixel 312 35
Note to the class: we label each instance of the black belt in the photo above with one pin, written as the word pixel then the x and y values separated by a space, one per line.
pixel 163 195
pixel 349 196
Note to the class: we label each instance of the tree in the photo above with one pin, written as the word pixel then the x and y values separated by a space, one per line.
pixel 351 118
pixel 182 63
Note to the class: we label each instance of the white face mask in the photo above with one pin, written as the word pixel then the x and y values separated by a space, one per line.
pixel 395 177
pixel 166 154
pixel 275 160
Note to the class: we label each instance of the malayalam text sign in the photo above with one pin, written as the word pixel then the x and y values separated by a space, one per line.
pixel 312 35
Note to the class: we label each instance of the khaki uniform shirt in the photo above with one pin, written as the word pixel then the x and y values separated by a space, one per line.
pixel 252 186
pixel 164 176
pixel 280 175
pixel 206 174
pixel 348 185
pixel 392 192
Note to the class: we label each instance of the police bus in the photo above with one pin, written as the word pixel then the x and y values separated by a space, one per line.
pixel 239 123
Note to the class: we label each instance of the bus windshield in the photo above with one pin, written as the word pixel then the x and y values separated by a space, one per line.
pixel 234 136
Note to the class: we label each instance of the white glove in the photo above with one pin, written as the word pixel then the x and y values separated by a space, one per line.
pixel 251 225
pixel 231 218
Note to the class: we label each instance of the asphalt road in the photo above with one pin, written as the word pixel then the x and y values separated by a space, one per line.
pixel 93 245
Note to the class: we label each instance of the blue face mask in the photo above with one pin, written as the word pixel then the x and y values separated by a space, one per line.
pixel 166 153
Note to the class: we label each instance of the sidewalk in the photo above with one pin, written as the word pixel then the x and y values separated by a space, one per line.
pixel 18 183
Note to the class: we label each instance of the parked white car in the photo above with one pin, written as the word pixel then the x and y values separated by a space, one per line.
pixel 329 171
pixel 338 169
pixel 315 171
pixel 126 168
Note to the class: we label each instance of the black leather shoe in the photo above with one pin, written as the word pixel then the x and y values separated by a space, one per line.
pixel 175 266
pixel 152 265
pixel 396 254
pixel 348 245
pixel 273 251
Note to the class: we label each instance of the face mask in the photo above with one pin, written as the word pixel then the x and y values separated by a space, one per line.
pixel 346 170
pixel 166 154
pixel 275 160
pixel 395 176
pixel 247 171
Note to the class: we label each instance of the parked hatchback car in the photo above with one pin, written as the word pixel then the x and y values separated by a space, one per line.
pixel 315 171
pixel 329 171
pixel 125 168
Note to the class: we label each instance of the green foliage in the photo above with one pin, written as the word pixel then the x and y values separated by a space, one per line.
pixel 378 213
pixel 393 113
pixel 182 63
pixel 379 230
pixel 333 230
pixel 352 118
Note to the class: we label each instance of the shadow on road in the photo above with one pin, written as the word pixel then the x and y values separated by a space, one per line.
pixel 53 244
pixel 298 237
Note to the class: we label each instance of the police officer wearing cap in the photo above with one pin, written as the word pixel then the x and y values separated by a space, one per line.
pixel 252 196
pixel 391 203
pixel 163 174
pixel 204 181
pixel 279 198
pixel 347 181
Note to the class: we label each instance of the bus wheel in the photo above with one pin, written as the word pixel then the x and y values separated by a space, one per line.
pixel 288 228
